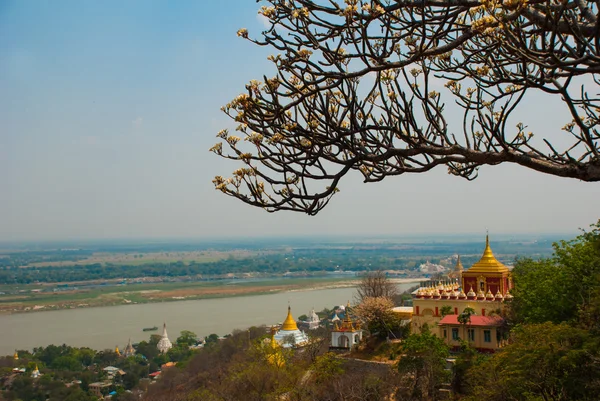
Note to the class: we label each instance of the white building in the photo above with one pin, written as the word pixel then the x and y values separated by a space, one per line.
pixel 164 344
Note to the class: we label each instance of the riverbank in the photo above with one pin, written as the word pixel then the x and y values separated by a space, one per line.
pixel 130 294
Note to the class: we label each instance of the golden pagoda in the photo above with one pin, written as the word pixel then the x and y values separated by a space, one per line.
pixel 488 274
pixel 458 270
pixel 117 350
pixel 274 355
pixel 16 356
pixel 289 323
pixel 290 328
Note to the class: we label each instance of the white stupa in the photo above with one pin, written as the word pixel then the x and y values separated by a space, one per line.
pixel 164 344
pixel 313 320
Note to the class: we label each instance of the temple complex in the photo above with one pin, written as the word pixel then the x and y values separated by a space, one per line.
pixel 290 328
pixel 347 333
pixel 129 350
pixel 439 305
pixel 164 344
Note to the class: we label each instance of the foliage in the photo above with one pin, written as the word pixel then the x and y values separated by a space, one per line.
pixel 446 310
pixel 377 313
pixel 544 361
pixel 376 87
pixel 563 288
pixel 422 365
pixel 187 337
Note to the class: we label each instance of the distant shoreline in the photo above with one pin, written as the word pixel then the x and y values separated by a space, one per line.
pixel 170 292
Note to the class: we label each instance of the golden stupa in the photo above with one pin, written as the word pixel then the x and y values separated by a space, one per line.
pixel 289 323
pixel 488 262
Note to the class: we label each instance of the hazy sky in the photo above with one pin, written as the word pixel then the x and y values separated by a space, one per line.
pixel 108 108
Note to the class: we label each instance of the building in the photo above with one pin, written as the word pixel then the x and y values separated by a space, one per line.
pixel 164 344
pixel 99 389
pixel 439 305
pixel 273 350
pixel 129 350
pixel 312 321
pixel 346 334
pixel 36 372
pixel 289 335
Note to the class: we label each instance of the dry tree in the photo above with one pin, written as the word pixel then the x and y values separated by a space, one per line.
pixel 393 87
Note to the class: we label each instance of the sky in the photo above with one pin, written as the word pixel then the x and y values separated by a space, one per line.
pixel 108 109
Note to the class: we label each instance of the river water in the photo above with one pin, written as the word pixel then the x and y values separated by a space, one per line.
pixel 105 327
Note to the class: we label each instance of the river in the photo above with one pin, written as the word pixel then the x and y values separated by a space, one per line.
pixel 105 327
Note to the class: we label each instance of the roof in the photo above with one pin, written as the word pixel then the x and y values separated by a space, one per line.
pixel 403 309
pixel 485 321
pixel 488 262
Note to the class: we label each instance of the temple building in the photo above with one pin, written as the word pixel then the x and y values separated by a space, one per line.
pixel 164 344
pixel 36 372
pixel 456 274
pixel 346 334
pixel 129 350
pixel 274 354
pixel 312 322
pixel 487 284
pixel 289 335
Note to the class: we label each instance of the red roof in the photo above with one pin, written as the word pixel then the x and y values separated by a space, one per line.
pixel 154 374
pixel 475 320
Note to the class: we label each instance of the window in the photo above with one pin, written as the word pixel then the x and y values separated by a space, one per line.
pixel 445 333
pixel 482 286
pixel 455 334
pixel 471 334
pixel 487 336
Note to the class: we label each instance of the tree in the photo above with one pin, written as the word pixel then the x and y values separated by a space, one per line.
pixel 387 88
pixel 446 310
pixel 374 285
pixel 544 361
pixel 377 313
pixel 563 288
pixel 187 337
pixel 464 318
pixel 423 364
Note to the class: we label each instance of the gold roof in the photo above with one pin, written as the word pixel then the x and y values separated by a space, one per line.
pixel 488 262
pixel 289 323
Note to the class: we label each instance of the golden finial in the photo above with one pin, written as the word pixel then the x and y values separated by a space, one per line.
pixel 488 262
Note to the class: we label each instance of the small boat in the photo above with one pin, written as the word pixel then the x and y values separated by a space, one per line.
pixel 150 328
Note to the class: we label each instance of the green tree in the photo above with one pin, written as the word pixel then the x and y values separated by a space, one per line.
pixel 563 288
pixel 423 365
pixel 187 338
pixel 446 310
pixel 464 318
pixel 543 362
